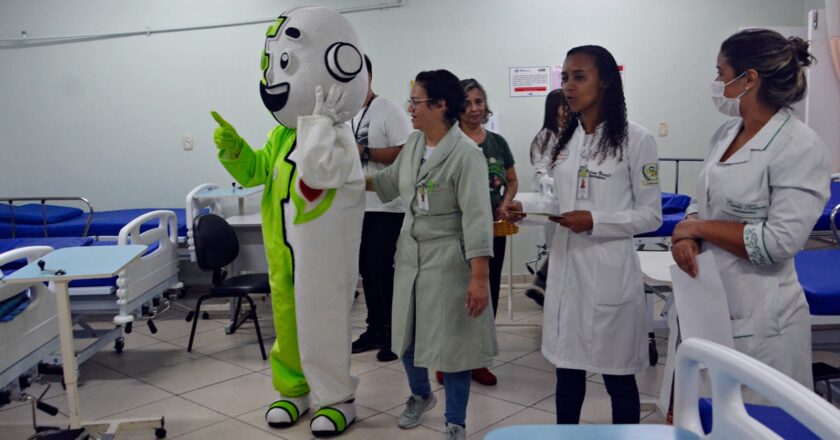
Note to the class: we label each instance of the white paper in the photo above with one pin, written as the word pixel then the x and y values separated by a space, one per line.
pixel 702 308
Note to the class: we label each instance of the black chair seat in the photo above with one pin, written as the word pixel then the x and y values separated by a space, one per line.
pixel 242 285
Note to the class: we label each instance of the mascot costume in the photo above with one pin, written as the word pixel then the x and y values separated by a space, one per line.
pixel 312 208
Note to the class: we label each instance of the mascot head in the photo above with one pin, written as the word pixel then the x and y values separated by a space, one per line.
pixel 306 47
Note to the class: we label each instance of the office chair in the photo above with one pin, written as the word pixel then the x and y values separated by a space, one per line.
pixel 216 246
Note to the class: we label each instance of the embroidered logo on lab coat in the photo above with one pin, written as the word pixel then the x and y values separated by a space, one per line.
pixel 650 174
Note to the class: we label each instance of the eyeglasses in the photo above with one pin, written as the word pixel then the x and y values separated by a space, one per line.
pixel 412 102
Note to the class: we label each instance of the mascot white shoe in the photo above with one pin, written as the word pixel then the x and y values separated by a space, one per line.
pixel 312 208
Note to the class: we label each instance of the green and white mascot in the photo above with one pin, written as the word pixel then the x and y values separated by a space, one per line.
pixel 312 208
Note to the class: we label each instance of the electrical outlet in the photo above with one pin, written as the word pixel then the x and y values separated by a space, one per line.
pixel 187 143
pixel 663 129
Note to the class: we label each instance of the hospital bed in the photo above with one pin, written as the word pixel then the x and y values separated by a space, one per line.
pixel 134 294
pixel 45 218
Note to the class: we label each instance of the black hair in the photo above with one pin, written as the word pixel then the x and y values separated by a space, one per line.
pixel 613 107
pixel 369 66
pixel 470 84
pixel 555 100
pixel 443 85
pixel 779 61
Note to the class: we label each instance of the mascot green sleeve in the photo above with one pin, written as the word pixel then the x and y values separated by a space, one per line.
pixel 312 208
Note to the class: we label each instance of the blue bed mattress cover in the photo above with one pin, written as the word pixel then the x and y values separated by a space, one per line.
pixel 775 418
pixel 817 272
pixel 36 214
pixel 669 222
pixel 106 223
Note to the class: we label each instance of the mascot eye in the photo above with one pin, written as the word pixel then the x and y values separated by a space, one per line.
pixel 293 32
pixel 284 60
pixel 344 61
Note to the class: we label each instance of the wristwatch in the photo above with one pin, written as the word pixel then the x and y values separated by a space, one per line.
pixel 366 154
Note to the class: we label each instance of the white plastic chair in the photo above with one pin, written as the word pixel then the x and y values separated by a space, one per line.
pixel 728 370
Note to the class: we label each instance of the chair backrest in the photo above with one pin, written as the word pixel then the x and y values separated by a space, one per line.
pixel 728 370
pixel 216 244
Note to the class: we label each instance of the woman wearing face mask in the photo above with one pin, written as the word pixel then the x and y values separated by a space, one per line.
pixel 607 188
pixel 760 192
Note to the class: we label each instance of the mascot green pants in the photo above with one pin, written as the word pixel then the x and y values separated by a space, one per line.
pixel 312 210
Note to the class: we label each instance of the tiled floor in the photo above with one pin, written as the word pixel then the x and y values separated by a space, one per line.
pixel 222 388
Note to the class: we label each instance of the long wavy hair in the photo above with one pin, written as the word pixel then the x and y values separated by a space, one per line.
pixel 613 108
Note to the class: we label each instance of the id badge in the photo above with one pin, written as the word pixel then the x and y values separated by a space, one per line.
pixel 423 199
pixel 583 183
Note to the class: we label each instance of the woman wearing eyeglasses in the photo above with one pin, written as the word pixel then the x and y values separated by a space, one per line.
pixel 440 315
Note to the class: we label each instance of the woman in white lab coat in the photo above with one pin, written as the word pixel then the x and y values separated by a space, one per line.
pixel 761 190
pixel 606 183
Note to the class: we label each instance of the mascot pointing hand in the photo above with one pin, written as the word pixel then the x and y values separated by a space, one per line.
pixel 313 80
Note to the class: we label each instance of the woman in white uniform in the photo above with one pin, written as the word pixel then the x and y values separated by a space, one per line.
pixel 760 192
pixel 606 183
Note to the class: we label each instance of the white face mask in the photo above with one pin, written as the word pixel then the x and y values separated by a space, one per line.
pixel 727 106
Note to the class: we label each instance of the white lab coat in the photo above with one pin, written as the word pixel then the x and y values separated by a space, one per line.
pixel 777 184
pixel 594 316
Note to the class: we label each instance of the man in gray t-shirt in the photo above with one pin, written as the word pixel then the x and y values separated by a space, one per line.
pixel 381 128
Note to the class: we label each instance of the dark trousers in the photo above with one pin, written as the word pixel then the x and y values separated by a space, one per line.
pixel 376 265
pixel 571 389
pixel 496 266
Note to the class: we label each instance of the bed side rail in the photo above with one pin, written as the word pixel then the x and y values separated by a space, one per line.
pixel 11 202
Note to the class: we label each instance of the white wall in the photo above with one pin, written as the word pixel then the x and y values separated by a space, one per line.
pixel 105 118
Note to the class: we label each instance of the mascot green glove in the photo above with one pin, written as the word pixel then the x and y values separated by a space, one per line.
pixel 312 209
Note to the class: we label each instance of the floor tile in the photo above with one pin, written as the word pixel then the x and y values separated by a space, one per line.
pixel 106 400
pixel 229 429
pixel 192 374
pixel 518 384
pixel 146 358
pixel 180 416
pixel 528 416
pixel 237 396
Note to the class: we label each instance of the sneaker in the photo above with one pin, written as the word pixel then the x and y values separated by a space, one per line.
pixel 439 376
pixel 455 432
pixel 484 376
pixel 367 341
pixel 415 406
pixel 386 355
pixel 536 295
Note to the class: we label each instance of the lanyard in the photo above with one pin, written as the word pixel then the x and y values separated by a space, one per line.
pixel 357 128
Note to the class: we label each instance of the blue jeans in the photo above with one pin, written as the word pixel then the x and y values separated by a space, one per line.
pixel 456 385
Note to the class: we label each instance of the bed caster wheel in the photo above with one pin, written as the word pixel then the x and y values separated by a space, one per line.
pixel 119 345
pixel 160 433
pixel 653 353
pixel 190 316
pixel 205 315
pixel 152 326
pixel 128 327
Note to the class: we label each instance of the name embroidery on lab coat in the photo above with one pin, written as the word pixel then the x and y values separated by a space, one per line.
pixel 599 175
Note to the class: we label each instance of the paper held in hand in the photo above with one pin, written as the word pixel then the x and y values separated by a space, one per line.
pixel 702 307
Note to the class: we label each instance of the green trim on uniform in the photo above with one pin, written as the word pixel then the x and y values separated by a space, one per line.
pixel 304 216
pixel 336 416
pixel 272 30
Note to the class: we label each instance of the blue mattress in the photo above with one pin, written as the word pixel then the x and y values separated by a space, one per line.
pixel 37 214
pixel 779 421
pixel 824 222
pixel 669 222
pixel 104 223
pixel 817 271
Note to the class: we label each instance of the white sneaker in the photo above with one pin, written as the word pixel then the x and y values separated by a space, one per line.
pixel 415 406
